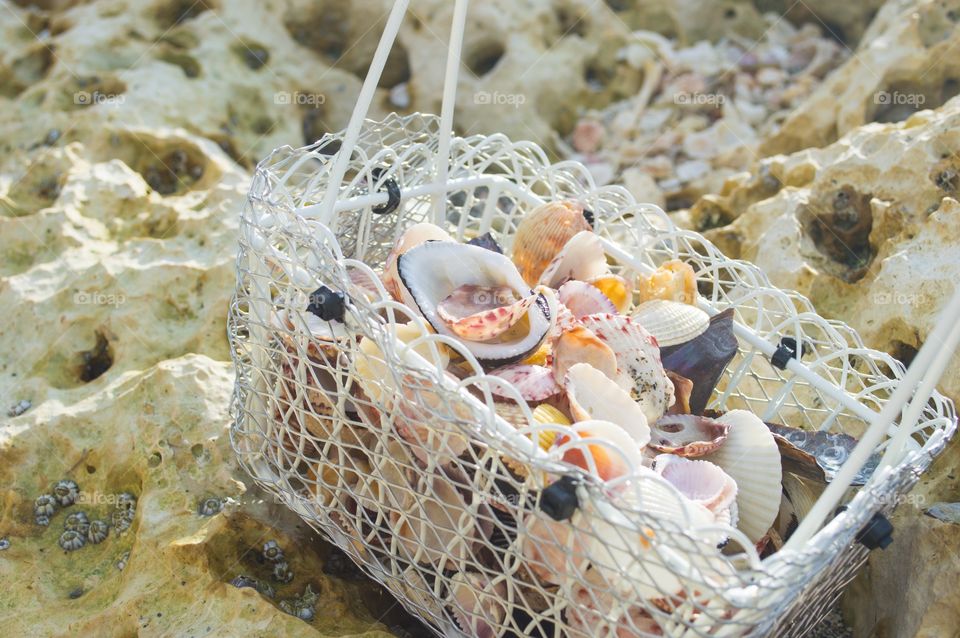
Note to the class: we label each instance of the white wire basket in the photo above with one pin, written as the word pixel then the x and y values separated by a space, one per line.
pixel 436 486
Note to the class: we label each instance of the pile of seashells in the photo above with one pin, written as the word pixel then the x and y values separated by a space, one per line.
pixel 615 372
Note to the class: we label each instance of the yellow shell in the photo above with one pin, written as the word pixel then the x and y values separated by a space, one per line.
pixel 542 414
pixel 539 356
pixel 674 281
pixel 616 289
pixel 541 235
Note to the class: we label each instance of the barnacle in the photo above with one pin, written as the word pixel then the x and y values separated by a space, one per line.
pixel 122 561
pixel 72 540
pixel 272 551
pixel 282 572
pixel 45 505
pixel 77 522
pixel 265 589
pixel 210 506
pixel 97 531
pixel 42 520
pixel 126 501
pixel 121 519
pixel 66 492
pixel 4 544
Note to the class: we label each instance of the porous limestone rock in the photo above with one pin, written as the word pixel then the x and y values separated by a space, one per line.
pixel 905 63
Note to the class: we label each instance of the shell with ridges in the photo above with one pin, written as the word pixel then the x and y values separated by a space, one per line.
pixel 582 258
pixel 751 456
pixel 534 383
pixel 581 345
pixel 542 233
pixel 584 299
pixel 700 481
pixel 615 288
pixel 482 313
pixel 593 395
pixel 602 448
pixel 671 322
pixel 477 603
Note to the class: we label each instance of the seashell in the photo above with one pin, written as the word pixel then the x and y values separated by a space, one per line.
pixel 429 419
pixel 281 572
pixel 482 313
pixel 436 528
pixel 547 414
pixel 582 258
pixel 98 531
pixel 419 592
pixel 750 455
pixel 66 492
pixel 674 280
pixel 478 603
pixel 542 234
pixel 534 383
pixel 615 288
pixel 365 283
pixel 376 377
pixel 511 412
pixel 671 322
pixel 543 414
pixel 615 454
pixel 431 272
pixel 594 396
pixel 687 435
pixel 682 388
pixel 540 356
pixel 301 330
pixel 551 549
pixel 72 540
pixel 45 505
pixel 703 360
pixel 700 481
pixel 593 611
pixel 386 483
pixel 487 241
pixel 818 455
pixel 411 238
pixel 565 321
pixel 580 345
pixel 638 361
pixel 582 299
pixel 333 478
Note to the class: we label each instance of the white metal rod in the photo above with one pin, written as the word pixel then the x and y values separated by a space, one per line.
pixel 927 364
pixel 364 100
pixel 449 103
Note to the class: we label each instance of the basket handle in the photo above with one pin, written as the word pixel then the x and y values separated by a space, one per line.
pixel 925 370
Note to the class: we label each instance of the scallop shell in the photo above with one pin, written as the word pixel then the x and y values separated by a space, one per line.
pixel 565 321
pixel 478 603
pixel 671 322
pixel 386 485
pixel 437 528
pixel 700 481
pixel 542 234
pixel 584 299
pixel 411 238
pixel 687 435
pixel 593 612
pixel 482 313
pixel 580 345
pixel 551 549
pixel 751 456
pixel 534 383
pixel 602 448
pixel 376 376
pixel 615 288
pixel 674 280
pixel 427 419
pixel 638 361
pixel 593 395
pixel 582 258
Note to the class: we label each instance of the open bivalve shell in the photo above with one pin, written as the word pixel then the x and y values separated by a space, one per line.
pixel 700 481
pixel 602 448
pixel 594 396
pixel 584 299
pixel 750 455
pixel 431 272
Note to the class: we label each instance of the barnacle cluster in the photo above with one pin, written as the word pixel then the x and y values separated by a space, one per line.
pixel 78 528
pixel 302 607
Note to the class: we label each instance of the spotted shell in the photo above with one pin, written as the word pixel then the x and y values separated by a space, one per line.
pixel 542 234
pixel 584 299
pixel 483 313
pixel 580 345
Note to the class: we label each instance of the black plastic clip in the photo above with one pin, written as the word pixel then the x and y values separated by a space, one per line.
pixel 787 350
pixel 327 304
pixel 877 533
pixel 559 501
pixel 589 216
pixel 393 193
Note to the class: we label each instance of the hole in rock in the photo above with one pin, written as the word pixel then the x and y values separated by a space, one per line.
pixel 903 352
pixel 175 12
pixel 839 223
pixel 97 360
pixel 484 57
pixel 187 63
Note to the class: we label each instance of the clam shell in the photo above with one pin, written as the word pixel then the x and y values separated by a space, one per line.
pixel 700 481
pixel 411 238
pixel 582 258
pixel 615 288
pixel 638 361
pixel 482 313
pixel 594 396
pixel 582 299
pixel 431 272
pixel 478 603
pixel 375 375
pixel 534 383
pixel 687 435
pixel 674 280
pixel 616 454
pixel 551 549
pixel 670 322
pixel 580 345
pixel 436 528
pixel 703 360
pixel 750 455
pixel 541 235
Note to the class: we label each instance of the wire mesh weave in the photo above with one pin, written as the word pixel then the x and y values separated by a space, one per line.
pixel 392 463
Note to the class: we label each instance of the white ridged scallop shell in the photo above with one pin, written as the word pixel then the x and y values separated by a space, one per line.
pixel 411 238
pixel 615 288
pixel 638 361
pixel 751 456
pixel 582 258
pixel 534 383
pixel 671 322
pixel 584 299
pixel 700 481
pixel 593 395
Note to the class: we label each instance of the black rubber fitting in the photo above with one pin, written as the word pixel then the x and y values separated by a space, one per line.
pixel 393 193
pixel 877 533
pixel 327 304
pixel 786 350
pixel 589 216
pixel 559 501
